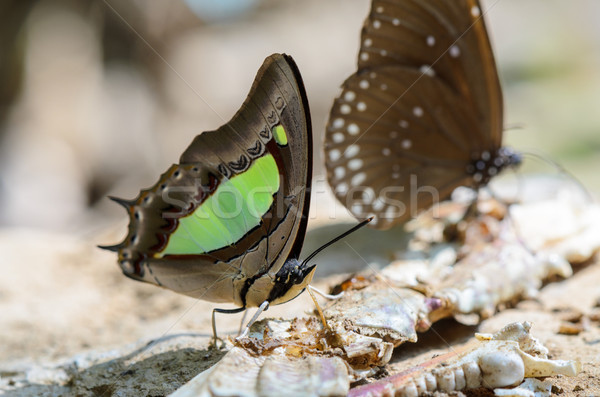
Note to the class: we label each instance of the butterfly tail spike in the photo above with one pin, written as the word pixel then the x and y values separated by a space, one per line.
pixel 113 248
pixel 123 202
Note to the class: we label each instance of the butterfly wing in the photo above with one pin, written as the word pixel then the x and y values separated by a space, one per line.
pixel 424 104
pixel 450 37
pixel 235 206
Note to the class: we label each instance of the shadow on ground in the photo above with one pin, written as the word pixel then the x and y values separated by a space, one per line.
pixel 143 372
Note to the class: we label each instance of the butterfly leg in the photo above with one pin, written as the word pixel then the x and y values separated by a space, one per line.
pixel 323 320
pixel 263 306
pixel 242 322
pixel 214 326
pixel 452 231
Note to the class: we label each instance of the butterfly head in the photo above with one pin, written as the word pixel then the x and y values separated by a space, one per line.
pixel 511 158
pixel 290 281
pixel 487 164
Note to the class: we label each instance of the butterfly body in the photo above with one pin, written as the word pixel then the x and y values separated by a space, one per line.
pixel 227 223
pixel 421 116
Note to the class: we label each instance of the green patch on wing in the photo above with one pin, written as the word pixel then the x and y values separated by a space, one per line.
pixel 235 208
pixel 280 135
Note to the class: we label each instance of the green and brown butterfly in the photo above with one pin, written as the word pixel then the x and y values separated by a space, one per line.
pixel 228 222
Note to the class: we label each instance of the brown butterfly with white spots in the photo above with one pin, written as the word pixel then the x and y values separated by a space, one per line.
pixel 421 116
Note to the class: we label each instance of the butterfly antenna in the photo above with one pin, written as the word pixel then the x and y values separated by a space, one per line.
pixel 341 236
pixel 561 170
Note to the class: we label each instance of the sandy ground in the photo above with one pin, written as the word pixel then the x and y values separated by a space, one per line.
pixel 64 301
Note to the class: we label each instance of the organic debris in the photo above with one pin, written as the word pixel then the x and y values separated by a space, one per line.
pixel 493 262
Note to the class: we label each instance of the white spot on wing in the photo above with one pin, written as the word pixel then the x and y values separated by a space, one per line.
pixel 406 144
pixel 403 123
pixel 339 172
pixel 418 111
pixel 378 204
pixel 351 151
pixel 334 154
pixel 358 178
pixel 430 41
pixel 345 108
pixel 364 84
pixel 361 106
pixel 342 188
pixel 383 87
pixel 364 56
pixel 454 51
pixel 368 42
pixel 338 123
pixel 376 24
pixel 379 9
pixel 393 134
pixel 396 21
pixel 349 96
pixel 353 129
pixel 386 151
pixel 338 137
pixel 427 70
pixel 368 195
pixel 355 164
pixel 390 212
pixel 475 11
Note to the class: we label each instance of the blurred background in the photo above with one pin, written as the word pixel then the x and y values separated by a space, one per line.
pixel 99 98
